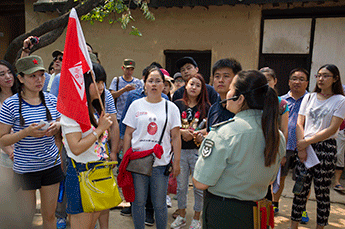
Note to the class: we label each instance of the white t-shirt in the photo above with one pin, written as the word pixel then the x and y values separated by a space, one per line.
pixel 148 121
pixel 319 113
pixel 68 126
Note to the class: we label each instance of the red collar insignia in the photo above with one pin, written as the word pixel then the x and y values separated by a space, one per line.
pixel 35 61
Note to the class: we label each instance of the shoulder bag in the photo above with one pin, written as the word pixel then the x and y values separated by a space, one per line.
pixel 98 189
pixel 144 165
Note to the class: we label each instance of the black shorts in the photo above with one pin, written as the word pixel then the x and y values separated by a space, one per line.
pixel 35 180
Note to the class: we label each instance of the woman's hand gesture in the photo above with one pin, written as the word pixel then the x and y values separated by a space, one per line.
pixel 104 121
pixel 187 134
pixel 34 130
pixel 302 144
pixel 53 129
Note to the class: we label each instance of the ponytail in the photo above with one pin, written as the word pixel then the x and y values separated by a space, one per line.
pixel 48 115
pixel 269 123
pixel 258 95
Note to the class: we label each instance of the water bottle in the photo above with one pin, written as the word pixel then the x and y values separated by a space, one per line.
pixel 298 187
pixel 61 191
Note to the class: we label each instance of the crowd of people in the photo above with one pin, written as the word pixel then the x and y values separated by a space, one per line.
pixel 237 139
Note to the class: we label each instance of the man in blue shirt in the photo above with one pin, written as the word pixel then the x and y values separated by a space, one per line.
pixel 188 67
pixel 223 71
pixel 298 82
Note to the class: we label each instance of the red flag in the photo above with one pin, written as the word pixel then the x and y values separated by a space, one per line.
pixel 72 100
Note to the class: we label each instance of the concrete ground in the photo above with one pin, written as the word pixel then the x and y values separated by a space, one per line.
pixel 282 219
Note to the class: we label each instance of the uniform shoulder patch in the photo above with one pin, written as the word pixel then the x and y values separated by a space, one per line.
pixel 215 126
pixel 207 148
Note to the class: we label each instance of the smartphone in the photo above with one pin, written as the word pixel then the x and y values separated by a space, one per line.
pixel 46 125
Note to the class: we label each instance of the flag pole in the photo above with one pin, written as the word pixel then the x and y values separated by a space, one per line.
pixel 98 94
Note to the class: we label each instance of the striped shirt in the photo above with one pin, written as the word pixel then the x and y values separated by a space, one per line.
pixel 31 154
pixel 109 105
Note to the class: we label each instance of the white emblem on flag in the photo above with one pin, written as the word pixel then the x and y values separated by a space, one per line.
pixel 78 79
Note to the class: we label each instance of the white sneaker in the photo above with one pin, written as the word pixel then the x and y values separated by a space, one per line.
pixel 196 224
pixel 169 201
pixel 178 223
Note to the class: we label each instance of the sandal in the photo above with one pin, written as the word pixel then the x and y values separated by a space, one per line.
pixel 339 187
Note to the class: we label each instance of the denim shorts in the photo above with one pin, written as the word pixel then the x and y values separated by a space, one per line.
pixel 74 205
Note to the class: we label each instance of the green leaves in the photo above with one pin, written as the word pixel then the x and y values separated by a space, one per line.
pixel 117 11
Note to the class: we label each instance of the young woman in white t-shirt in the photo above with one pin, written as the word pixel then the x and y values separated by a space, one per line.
pixel 80 147
pixel 145 119
pixel 319 119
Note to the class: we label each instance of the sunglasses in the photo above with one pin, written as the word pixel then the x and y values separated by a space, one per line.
pixel 57 58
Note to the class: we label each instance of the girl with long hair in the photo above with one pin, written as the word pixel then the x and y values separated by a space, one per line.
pixel 193 108
pixel 319 119
pixel 84 147
pixel 239 158
pixel 7 89
pixel 36 156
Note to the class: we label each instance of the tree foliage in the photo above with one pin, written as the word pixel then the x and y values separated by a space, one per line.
pixel 115 11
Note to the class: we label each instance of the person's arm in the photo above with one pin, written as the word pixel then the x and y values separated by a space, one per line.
pixel 176 144
pixel 321 135
pixel 127 138
pixel 116 94
pixel 7 138
pixel 302 153
pixel 27 46
pixel 114 137
pixel 284 122
pixel 199 185
pixel 79 145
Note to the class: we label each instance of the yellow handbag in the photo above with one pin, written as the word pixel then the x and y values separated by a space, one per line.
pixel 98 188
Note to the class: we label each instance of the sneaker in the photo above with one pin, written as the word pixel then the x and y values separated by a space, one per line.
pixel 305 218
pixel 61 223
pixel 169 202
pixel 276 210
pixel 126 212
pixel 149 221
pixel 339 187
pixel 196 224
pixel 178 223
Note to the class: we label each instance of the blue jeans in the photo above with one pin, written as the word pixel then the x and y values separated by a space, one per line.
pixel 158 185
pixel 187 164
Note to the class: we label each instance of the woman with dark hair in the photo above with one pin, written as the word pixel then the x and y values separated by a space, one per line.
pixel 83 147
pixel 239 158
pixel 145 121
pixel 36 156
pixel 319 119
pixel 193 108
pixel 7 89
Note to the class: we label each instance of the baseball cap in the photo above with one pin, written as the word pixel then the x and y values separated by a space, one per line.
pixel 128 63
pixel 29 64
pixel 57 53
pixel 185 60
pixel 177 75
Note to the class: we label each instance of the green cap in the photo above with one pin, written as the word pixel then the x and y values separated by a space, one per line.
pixel 129 63
pixel 93 57
pixel 30 64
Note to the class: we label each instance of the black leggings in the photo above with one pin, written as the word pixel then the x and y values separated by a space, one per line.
pixel 322 174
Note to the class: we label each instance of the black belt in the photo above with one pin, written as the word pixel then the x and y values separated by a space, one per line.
pixel 220 198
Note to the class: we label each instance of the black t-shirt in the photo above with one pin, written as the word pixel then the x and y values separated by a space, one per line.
pixel 190 116
pixel 211 93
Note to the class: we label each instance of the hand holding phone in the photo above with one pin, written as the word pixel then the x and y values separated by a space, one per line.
pixel 46 125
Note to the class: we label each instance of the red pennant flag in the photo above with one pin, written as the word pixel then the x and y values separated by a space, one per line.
pixel 72 100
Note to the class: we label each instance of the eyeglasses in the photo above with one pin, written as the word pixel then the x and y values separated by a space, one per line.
pixel 56 58
pixel 325 76
pixel 298 79
pixel 179 81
